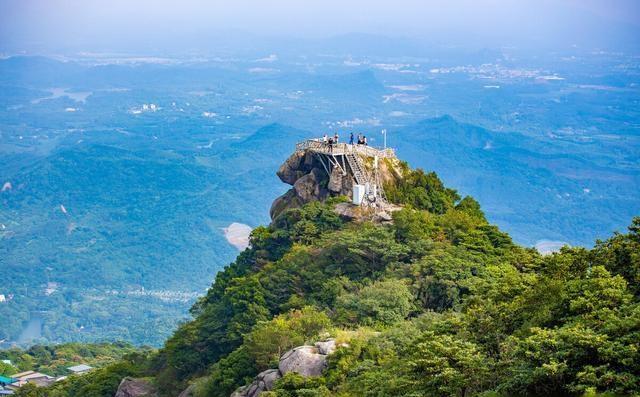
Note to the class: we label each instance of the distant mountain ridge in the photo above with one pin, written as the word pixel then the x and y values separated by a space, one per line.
pixel 512 174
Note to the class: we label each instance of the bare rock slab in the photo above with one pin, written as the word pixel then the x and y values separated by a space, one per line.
pixel 262 382
pixel 133 387
pixel 303 360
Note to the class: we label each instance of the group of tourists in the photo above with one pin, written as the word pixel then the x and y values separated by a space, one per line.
pixel 362 140
pixel 331 141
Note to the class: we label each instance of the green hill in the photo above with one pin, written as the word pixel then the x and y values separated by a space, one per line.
pixel 438 302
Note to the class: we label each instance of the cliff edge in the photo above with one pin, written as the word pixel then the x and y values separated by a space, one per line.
pixel 312 180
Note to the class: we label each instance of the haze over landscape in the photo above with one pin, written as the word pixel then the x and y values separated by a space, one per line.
pixel 139 141
pixel 212 26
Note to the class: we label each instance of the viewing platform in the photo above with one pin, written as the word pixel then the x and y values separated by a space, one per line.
pixel 351 160
pixel 341 149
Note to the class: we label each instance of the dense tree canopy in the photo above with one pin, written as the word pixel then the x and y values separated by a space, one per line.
pixel 439 302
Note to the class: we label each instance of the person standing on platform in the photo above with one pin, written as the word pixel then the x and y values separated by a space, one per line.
pixel 351 139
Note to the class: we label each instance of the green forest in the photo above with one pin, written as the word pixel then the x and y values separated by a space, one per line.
pixel 438 302
pixel 54 360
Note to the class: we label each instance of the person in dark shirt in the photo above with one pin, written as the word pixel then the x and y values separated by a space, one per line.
pixel 351 139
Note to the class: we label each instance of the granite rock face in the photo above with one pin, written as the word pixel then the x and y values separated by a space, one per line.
pixel 293 168
pixel 351 212
pixel 307 187
pixel 263 382
pixel 310 181
pixel 303 360
pixel 286 201
pixel 336 180
pixel 314 181
pixel 132 387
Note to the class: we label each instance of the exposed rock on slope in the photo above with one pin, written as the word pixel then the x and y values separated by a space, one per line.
pixel 133 387
pixel 310 180
pixel 303 360
pixel 263 382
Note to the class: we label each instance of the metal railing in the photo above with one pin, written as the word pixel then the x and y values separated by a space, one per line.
pixel 317 145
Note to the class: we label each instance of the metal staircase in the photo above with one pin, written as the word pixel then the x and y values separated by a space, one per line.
pixel 357 168
pixel 339 155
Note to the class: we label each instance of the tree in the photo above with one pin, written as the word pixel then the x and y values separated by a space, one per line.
pixel 229 373
pixel 621 255
pixel 411 225
pixel 447 366
pixel 422 191
pixel 270 339
pixel 469 205
pixel 381 303
pixel 7 369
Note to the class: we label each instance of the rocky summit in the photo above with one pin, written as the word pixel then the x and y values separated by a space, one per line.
pixel 314 181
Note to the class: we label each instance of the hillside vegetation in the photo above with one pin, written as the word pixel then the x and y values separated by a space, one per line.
pixel 437 303
pixel 54 360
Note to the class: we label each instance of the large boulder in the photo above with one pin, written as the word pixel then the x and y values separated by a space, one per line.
pixel 303 172
pixel 335 180
pixel 263 382
pixel 133 387
pixel 286 201
pixel 303 360
pixel 240 391
pixel 291 169
pixel 308 175
pixel 348 211
pixel 307 187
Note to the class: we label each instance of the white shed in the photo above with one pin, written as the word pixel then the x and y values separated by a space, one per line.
pixel 358 194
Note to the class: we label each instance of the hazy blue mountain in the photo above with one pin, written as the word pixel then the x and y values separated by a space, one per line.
pixel 538 189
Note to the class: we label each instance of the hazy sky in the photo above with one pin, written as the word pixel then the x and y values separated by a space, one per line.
pixel 129 24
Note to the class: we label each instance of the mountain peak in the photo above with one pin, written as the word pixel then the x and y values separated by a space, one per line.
pixel 319 170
